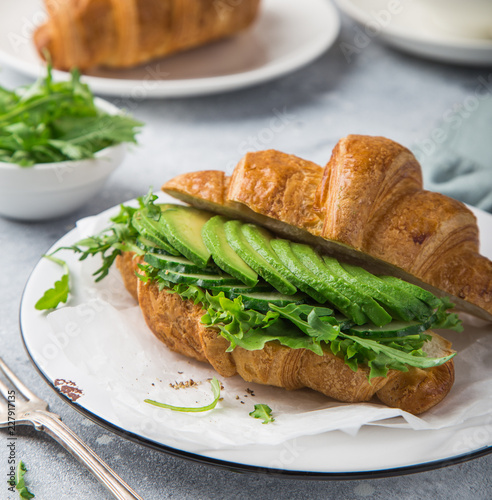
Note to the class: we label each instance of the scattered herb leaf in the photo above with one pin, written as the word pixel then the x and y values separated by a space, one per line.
pixel 264 412
pixel 119 237
pixel 60 291
pixel 216 392
pixel 20 484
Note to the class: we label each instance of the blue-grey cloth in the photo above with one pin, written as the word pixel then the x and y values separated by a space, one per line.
pixel 456 158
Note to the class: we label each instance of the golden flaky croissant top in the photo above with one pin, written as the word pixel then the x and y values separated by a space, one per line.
pixel 124 33
pixel 367 204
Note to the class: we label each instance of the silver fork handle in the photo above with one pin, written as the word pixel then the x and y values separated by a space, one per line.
pixel 53 426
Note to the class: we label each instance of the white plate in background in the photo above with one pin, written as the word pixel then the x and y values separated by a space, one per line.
pixel 287 35
pixel 406 27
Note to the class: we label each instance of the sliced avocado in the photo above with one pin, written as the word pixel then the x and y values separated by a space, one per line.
pixel 415 307
pixel 394 303
pixel 311 260
pixel 425 296
pixel 238 242
pixel 260 239
pixel 151 224
pixel 377 314
pixel 167 206
pixel 151 233
pixel 182 226
pixel 296 264
pixel 214 237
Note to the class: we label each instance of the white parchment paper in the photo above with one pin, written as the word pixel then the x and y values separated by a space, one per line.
pixel 112 344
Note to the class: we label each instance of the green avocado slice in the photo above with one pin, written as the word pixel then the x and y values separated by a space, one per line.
pixel 182 226
pixel 309 259
pixel 214 237
pixel 377 314
pixel 152 232
pixel 395 304
pixel 425 296
pixel 260 240
pixel 298 264
pixel 409 306
pixel 238 242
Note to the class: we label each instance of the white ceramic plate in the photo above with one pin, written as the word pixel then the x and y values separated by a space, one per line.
pixel 375 451
pixel 288 35
pixel 408 28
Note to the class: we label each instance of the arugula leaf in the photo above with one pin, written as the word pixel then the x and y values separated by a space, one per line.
pixel 20 484
pixel 89 128
pixel 60 291
pixel 151 209
pixel 53 122
pixel 216 392
pixel 380 355
pixel 282 331
pixel 446 320
pixel 264 412
pixel 319 324
pixel 388 356
pixel 119 237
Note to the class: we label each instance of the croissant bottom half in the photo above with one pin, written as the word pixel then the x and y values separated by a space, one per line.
pixel 177 323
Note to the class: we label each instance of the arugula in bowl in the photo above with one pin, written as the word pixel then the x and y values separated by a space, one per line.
pixel 50 122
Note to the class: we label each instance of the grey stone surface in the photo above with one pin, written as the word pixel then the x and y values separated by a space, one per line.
pixel 380 92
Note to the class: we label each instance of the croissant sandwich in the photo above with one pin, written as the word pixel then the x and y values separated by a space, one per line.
pixel 296 276
pixel 125 33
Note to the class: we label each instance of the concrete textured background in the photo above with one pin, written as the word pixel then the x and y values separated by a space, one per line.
pixel 380 92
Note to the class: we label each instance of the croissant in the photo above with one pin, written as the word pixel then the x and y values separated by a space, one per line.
pixel 177 323
pixel 368 205
pixel 125 33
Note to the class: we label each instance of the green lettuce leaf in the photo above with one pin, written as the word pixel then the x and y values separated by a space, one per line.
pixel 308 327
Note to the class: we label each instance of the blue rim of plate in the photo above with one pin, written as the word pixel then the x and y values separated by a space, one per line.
pixel 236 466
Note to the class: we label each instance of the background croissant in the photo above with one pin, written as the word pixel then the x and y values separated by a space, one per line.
pixel 124 33
pixel 368 205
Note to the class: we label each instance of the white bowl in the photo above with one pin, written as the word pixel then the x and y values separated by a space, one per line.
pixel 49 190
pixel 465 18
